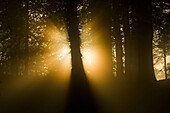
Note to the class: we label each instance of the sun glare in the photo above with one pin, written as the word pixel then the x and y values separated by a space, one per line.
pixel 89 58
pixel 64 53
pixel 96 62
pixel 59 60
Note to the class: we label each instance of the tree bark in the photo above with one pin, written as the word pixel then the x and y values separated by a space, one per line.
pixel 73 33
pixel 80 98
pixel 144 35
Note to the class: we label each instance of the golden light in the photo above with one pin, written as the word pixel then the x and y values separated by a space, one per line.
pixel 94 57
pixel 59 60
pixel 96 61
pixel 89 59
pixel 64 53
pixel 159 68
pixel 168 59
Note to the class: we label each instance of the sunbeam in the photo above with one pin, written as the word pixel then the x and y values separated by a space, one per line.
pixel 96 62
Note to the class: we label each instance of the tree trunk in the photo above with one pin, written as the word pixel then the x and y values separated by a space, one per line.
pixel 118 38
pixel 131 48
pixel 80 98
pixel 14 23
pixel 73 33
pixel 165 62
pixel 26 37
pixel 144 35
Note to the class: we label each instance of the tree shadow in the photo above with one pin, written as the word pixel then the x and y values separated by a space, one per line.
pixel 80 98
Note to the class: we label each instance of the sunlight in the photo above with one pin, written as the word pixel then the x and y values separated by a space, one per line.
pixel 63 53
pixel 90 59
pixel 95 58
pixel 55 62
pixel 161 65
pixel 159 68
pixel 168 59
pixel 96 62
pixel 58 56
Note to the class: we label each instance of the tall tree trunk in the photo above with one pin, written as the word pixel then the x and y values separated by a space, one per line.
pixel 131 49
pixel 14 22
pixel 80 98
pixel 73 33
pixel 126 29
pixel 26 36
pixel 165 62
pixel 118 38
pixel 18 24
pixel 144 31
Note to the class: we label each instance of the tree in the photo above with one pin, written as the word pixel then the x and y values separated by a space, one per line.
pixel 118 38
pixel 15 35
pixel 131 52
pixel 80 94
pixel 144 35
pixel 73 33
pixel 4 37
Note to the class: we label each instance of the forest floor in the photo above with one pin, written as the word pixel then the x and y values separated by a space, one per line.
pixel 49 95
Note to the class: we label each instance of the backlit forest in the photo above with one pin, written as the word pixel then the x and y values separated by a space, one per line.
pixel 84 56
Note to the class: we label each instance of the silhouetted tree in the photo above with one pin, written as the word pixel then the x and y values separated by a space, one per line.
pixel 80 98
pixel 14 18
pixel 73 33
pixel 144 35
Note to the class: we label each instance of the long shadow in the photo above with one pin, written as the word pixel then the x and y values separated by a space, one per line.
pixel 80 98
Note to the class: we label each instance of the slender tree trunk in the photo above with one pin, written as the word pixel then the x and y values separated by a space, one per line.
pixel 131 46
pixel 13 18
pixel 164 53
pixel 126 29
pixel 26 37
pixel 118 38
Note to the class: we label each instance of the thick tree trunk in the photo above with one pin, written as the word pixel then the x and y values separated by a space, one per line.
pixel 73 33
pixel 18 25
pixel 144 31
pixel 80 98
